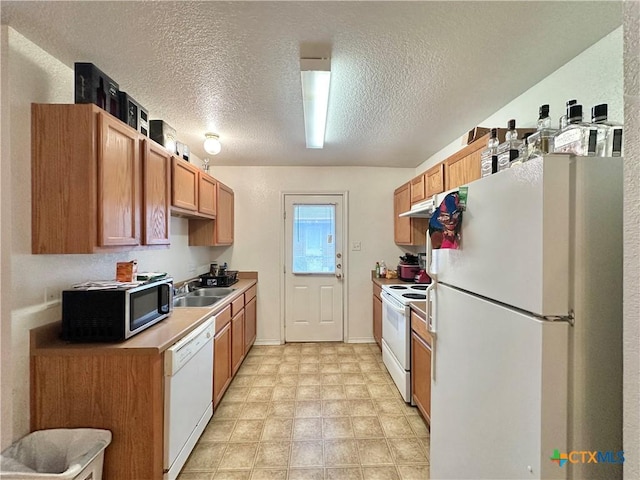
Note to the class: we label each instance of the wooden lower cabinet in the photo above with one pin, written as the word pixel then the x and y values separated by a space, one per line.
pixel 421 374
pixel 377 315
pixel 237 341
pixel 221 363
pixel 250 324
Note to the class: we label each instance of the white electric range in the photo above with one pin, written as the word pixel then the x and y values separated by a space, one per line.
pixel 396 332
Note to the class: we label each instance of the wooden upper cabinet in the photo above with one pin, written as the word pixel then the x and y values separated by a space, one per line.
pixel 156 180
pixel 418 189
pixel 184 186
pixel 224 220
pixel 85 180
pixel 407 230
pixel 434 180
pixel 464 166
pixel 207 194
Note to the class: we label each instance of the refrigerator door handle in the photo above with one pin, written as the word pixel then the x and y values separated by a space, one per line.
pixel 432 324
pixel 429 256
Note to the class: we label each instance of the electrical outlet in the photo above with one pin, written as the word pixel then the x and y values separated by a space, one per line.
pixel 356 246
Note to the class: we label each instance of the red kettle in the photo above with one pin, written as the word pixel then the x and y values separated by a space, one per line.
pixel 422 277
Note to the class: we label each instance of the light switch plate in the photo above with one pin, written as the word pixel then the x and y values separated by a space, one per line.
pixel 356 246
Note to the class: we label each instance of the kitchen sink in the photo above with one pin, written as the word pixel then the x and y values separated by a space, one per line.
pixel 211 292
pixel 200 301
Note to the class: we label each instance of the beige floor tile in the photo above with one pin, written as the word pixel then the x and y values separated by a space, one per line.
pixel 269 474
pixel 348 358
pixel 236 394
pixel 356 391
pixel 283 392
pixel 254 410
pixel 342 452
pixel 288 367
pixel 330 368
pixel 309 378
pixel 414 472
pixel 218 431
pixel 273 454
pixel 308 408
pixel 408 410
pixel 290 359
pixel 337 427
pixel 307 453
pixel 343 473
pixel 362 407
pixel 308 392
pixel 252 360
pixel 228 410
pixel 259 394
pixel 267 369
pixel 395 426
pixel 239 456
pixel 370 367
pixel 335 408
pixel 232 475
pixel 380 473
pixel 418 425
pixel 306 474
pixel 311 357
pixel 247 431
pixel 277 428
pixel 349 368
pixel 344 349
pixel 307 428
pixel 247 369
pixel 353 379
pixel 281 408
pixel 374 451
pixel 367 427
pixel 378 390
pixel 309 368
pixel 328 358
pixel 333 392
pixel 205 456
pixel 388 406
pixel 407 451
pixel 286 379
pixel 375 377
pixel 265 381
pixel 243 380
pixel 195 476
pixel 331 378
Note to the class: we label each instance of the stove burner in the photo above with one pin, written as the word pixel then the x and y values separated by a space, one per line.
pixel 415 296
pixel 419 287
pixel 399 287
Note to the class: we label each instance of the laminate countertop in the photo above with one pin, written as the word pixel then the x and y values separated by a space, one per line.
pixel 46 340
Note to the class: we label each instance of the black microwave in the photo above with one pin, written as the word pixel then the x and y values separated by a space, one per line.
pixel 114 314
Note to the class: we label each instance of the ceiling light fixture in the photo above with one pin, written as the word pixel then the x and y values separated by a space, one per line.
pixel 316 76
pixel 212 143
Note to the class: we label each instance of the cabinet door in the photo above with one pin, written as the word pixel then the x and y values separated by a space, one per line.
pixel 156 178
pixel 224 216
pixel 221 363
pixel 237 341
pixel 460 171
pixel 418 189
pixel 377 320
pixel 119 192
pixel 402 225
pixel 421 375
pixel 250 324
pixel 184 192
pixel 207 194
pixel 434 180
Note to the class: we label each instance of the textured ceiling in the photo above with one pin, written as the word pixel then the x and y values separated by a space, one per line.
pixel 407 77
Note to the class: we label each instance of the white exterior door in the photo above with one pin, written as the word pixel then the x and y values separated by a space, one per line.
pixel 313 268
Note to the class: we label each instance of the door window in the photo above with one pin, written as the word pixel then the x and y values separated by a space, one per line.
pixel 314 233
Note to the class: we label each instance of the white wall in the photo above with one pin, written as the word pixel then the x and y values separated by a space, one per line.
pixel 31 75
pixel 259 224
pixel 631 307
pixel 593 77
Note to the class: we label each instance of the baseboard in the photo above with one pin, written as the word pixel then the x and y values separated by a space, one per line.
pixel 360 340
pixel 267 342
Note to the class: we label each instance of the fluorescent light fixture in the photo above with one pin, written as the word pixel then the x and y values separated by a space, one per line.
pixel 315 75
pixel 212 144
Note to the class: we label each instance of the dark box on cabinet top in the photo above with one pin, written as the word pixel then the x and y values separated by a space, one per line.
pixel 93 86
pixel 164 134
pixel 134 114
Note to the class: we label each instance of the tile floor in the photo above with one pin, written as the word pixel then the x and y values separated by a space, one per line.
pixel 312 411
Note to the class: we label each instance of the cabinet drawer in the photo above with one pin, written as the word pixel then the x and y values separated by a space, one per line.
pixel 237 305
pixel 250 293
pixel 419 325
pixel 223 318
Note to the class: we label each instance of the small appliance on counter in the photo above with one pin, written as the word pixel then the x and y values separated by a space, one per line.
pixel 421 276
pixel 219 276
pixel 408 267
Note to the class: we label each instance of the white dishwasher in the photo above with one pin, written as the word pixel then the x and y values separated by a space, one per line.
pixel 188 395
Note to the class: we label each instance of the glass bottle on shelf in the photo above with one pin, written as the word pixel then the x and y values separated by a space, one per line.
pixel 609 135
pixel 542 138
pixel 523 151
pixel 577 138
pixel 564 119
pixel 509 149
pixel 489 157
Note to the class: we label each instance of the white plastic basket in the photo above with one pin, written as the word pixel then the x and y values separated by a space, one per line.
pixel 56 454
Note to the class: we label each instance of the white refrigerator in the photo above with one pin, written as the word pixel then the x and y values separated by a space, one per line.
pixel 527 323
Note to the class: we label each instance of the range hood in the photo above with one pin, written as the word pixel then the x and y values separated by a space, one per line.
pixel 423 209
